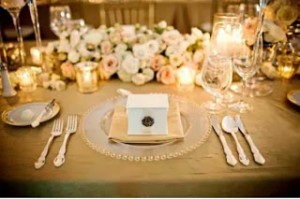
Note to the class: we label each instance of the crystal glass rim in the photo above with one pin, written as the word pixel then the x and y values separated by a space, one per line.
pixel 86 66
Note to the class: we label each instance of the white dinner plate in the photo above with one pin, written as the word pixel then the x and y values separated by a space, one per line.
pixel 294 97
pixel 13 115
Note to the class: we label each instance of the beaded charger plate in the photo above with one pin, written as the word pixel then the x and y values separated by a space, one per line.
pixel 96 125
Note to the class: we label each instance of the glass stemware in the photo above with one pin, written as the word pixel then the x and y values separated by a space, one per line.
pixel 245 63
pixel 59 17
pixel 216 77
pixel 35 20
pixel 14 7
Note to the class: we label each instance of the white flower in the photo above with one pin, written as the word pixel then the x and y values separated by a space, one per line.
pixel 64 46
pixel 74 38
pixel 51 46
pixel 124 76
pixel 172 50
pixel 197 33
pixel 106 47
pixel 152 47
pixel 120 48
pixel 172 37
pixel 145 63
pixel 198 79
pixel 183 46
pixel 162 24
pixel 83 51
pixel 175 60
pixel 149 74
pixel 93 37
pixel 130 64
pixel 128 33
pixel 191 39
pixel 73 56
pixel 140 51
pixel 138 79
pixel 187 57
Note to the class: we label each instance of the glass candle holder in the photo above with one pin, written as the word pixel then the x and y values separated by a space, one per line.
pixel 36 55
pixel 226 17
pixel 87 77
pixel 27 79
pixel 186 76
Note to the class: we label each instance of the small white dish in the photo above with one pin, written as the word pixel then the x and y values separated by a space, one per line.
pixel 294 97
pixel 15 115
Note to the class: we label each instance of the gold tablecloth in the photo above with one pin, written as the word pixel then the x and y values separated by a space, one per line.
pixel 274 125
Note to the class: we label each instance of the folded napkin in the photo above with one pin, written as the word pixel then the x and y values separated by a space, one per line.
pixel 118 130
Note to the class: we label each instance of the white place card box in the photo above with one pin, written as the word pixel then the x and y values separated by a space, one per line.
pixel 147 114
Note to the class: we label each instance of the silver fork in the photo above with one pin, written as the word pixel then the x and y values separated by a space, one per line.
pixel 71 128
pixel 57 130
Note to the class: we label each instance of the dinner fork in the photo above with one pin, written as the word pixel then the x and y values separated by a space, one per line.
pixel 57 130
pixel 71 128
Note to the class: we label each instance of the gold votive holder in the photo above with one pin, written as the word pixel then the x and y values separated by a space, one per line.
pixel 87 77
pixel 27 79
pixel 36 55
pixel 186 77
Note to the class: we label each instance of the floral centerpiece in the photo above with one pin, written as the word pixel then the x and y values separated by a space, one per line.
pixel 132 53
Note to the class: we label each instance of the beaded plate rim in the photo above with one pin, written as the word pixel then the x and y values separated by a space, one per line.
pixel 106 152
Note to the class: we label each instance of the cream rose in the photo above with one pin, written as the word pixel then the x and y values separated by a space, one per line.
pixel 124 76
pixel 130 64
pixel 149 74
pixel 140 51
pixel 166 75
pixel 73 56
pixel 93 37
pixel 172 37
pixel 175 60
pixel 152 47
pixel 138 79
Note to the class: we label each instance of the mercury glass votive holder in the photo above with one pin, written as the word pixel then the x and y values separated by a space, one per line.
pixel 87 77
pixel 27 79
pixel 186 78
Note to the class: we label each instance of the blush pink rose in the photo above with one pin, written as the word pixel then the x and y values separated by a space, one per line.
pixel 166 75
pixel 157 62
pixel 68 70
pixel 110 64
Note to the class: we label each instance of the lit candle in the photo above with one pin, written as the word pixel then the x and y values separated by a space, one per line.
pixel 36 56
pixel 87 77
pixel 27 79
pixel 186 75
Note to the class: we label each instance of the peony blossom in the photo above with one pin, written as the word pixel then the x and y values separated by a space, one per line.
pixel 68 70
pixel 130 64
pixel 166 75
pixel 138 79
pixel 157 62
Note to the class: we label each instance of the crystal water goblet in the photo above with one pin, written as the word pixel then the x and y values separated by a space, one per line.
pixel 216 77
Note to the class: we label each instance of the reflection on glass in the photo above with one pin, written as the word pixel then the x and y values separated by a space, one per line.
pixel 59 17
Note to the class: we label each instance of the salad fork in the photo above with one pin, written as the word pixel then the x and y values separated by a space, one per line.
pixel 57 130
pixel 71 128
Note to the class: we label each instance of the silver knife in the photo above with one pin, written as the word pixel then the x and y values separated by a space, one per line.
pixel 257 155
pixel 229 156
pixel 47 108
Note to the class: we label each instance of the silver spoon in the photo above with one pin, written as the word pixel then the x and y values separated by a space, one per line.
pixel 229 126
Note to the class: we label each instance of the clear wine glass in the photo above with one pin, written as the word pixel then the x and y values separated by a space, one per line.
pixel 14 7
pixel 59 17
pixel 216 77
pixel 245 63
